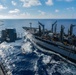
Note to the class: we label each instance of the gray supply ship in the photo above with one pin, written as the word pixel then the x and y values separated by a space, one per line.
pixel 61 43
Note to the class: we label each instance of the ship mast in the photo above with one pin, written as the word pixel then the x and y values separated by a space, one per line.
pixel 30 25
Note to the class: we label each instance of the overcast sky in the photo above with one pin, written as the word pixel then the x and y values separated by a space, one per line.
pixel 40 9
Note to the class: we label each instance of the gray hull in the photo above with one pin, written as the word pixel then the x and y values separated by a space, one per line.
pixel 66 52
pixel 58 49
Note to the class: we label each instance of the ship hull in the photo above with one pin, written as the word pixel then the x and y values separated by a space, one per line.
pixel 49 46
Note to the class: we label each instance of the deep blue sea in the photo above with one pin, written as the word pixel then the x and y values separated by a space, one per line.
pixel 18 23
pixel 33 61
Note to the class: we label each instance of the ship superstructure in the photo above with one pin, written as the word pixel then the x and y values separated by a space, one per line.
pixel 64 44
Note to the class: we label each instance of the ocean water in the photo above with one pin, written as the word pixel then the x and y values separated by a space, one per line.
pixel 19 23
pixel 30 60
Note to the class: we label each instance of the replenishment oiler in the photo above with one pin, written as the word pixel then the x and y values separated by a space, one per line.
pixel 61 43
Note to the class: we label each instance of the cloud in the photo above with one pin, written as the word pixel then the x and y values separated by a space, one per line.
pixel 66 0
pixel 16 16
pixel 14 11
pixel 56 10
pixel 49 2
pixel 25 14
pixel 13 3
pixel 41 12
pixel 70 8
pixel 29 3
pixel 2 7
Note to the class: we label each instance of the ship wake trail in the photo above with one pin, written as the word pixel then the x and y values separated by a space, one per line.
pixel 28 60
pixel 27 48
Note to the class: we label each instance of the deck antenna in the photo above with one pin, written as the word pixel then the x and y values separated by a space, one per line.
pixel 30 25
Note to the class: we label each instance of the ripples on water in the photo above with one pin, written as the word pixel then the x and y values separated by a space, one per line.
pixel 27 60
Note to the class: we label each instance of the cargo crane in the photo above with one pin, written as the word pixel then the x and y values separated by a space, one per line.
pixel 53 26
pixel 71 29
pixel 62 33
pixel 42 26
pixel 1 24
pixel 39 30
pixel 71 37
